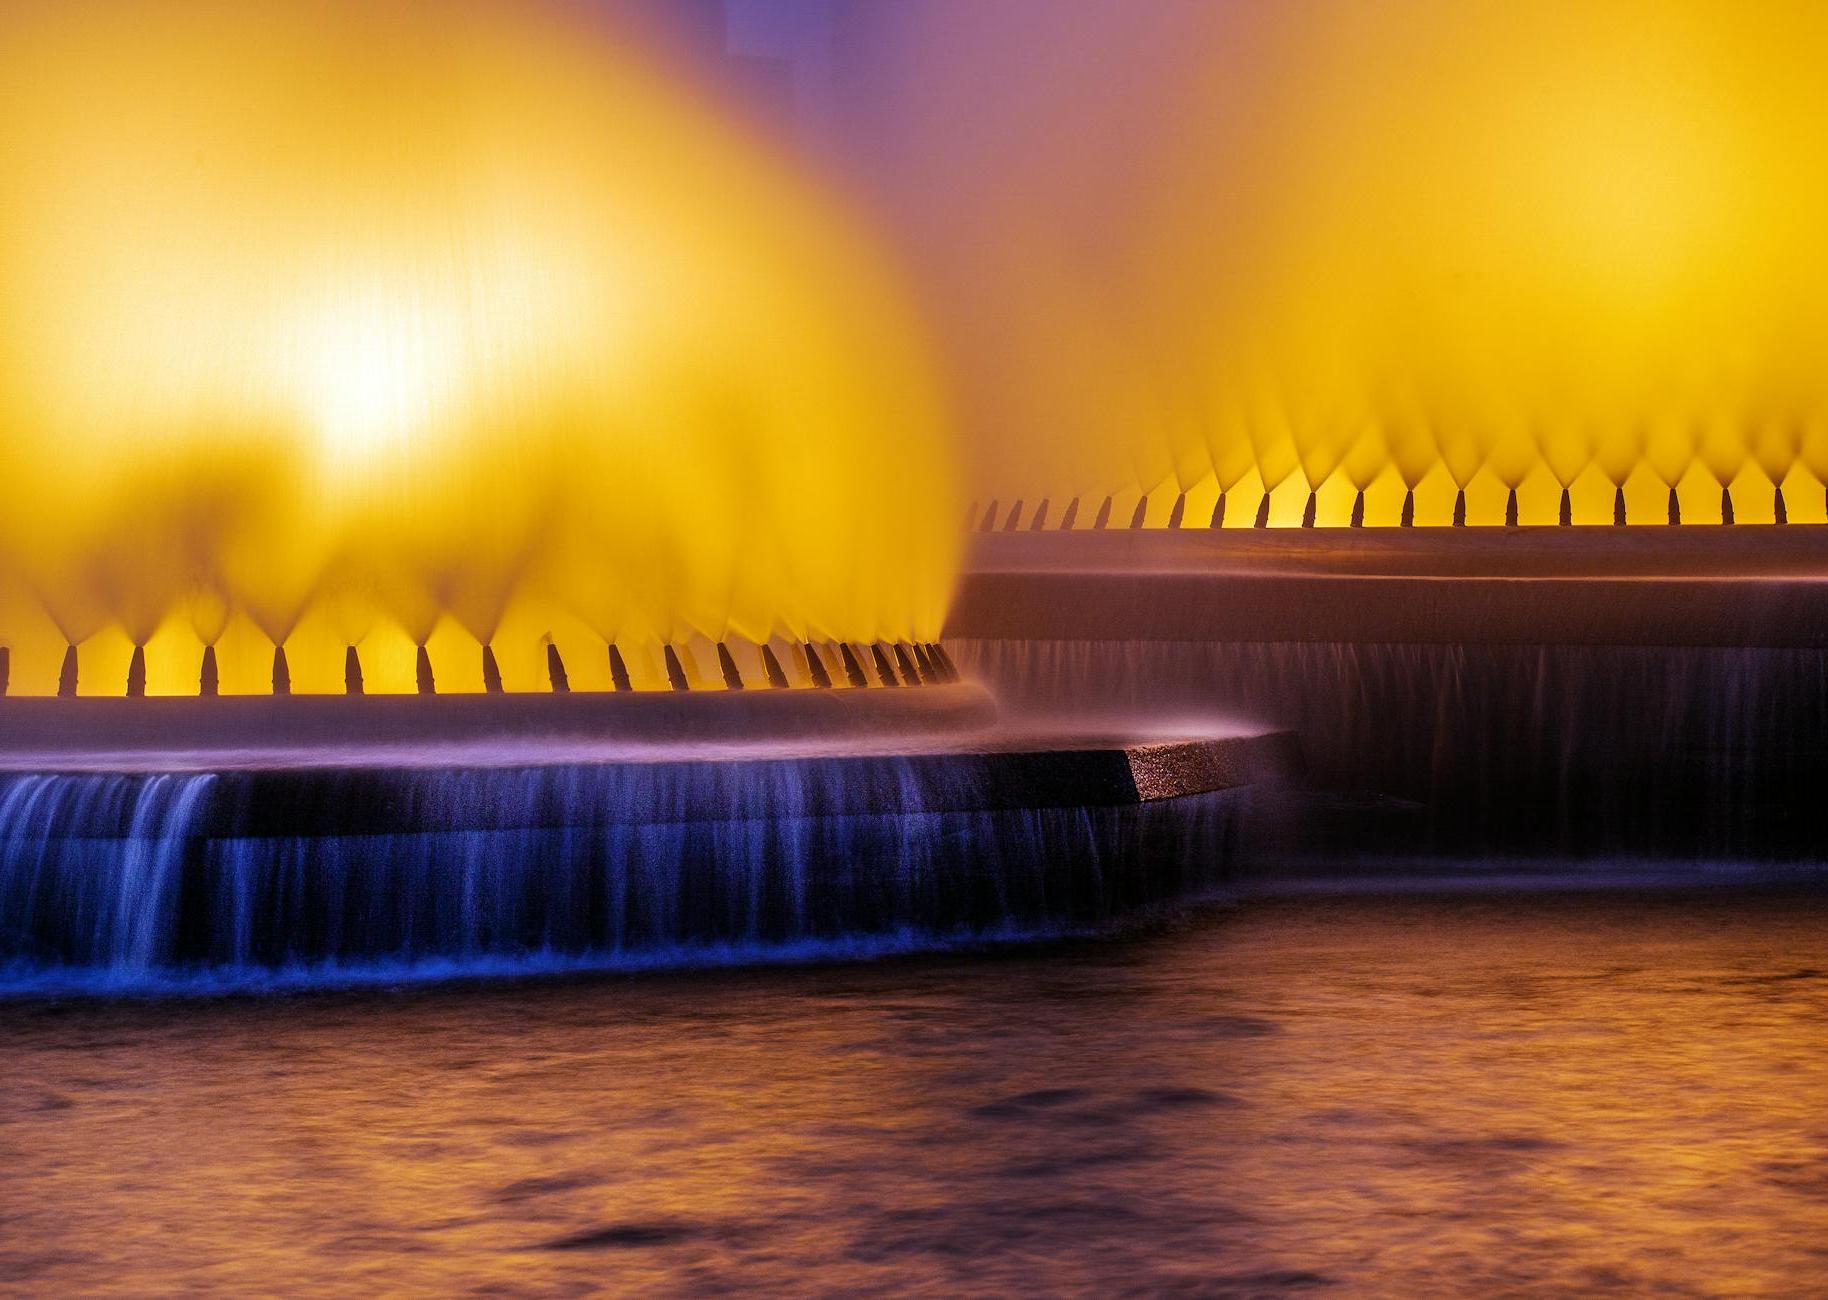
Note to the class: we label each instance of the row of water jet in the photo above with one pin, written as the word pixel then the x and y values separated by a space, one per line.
pixel 1438 500
pixel 124 883
pixel 1283 248
pixel 187 668
pixel 395 326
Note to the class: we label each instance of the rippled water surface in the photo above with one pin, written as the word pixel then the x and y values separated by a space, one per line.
pixel 1516 1095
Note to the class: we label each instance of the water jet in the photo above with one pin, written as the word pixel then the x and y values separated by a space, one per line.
pixel 733 679
pixel 815 666
pixel 618 669
pixel 771 668
pixel 853 670
pixel 884 670
pixel 910 673
pixel 675 670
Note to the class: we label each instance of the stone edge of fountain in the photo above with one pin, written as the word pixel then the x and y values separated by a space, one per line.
pixel 1689 587
pixel 36 731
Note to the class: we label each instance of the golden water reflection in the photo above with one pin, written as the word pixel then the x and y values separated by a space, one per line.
pixel 1520 1096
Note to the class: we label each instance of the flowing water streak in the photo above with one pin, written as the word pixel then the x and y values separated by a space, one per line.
pixel 137 883
pixel 1674 752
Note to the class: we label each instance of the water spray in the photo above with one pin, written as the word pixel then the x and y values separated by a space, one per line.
pixel 884 672
pixel 910 673
pixel 618 669
pixel 675 671
pixel 772 670
pixel 733 679
pixel 853 670
pixel 815 666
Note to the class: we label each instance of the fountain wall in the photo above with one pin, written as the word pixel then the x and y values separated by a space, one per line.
pixel 1525 695
pixel 188 881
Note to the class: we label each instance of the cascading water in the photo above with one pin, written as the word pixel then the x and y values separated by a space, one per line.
pixel 1687 753
pixel 48 821
pixel 142 883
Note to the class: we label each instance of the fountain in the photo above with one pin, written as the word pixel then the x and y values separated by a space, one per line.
pixel 511 524
pixel 1323 267
pixel 1439 381
pixel 473 506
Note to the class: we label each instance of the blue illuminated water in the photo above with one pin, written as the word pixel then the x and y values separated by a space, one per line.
pixel 226 881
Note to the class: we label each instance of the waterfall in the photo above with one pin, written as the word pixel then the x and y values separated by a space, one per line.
pixel 1693 753
pixel 130 883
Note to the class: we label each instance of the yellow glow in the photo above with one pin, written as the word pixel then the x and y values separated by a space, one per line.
pixel 1469 243
pixel 384 322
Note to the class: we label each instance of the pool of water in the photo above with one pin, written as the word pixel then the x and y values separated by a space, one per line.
pixel 1380 1095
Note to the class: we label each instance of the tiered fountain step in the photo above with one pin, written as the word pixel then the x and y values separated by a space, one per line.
pixel 165 843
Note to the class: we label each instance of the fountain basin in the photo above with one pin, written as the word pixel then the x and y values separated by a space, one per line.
pixel 156 871
pixel 1621 694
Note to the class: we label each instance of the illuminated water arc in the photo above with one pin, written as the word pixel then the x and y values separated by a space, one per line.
pixel 1625 275
pixel 547 344
pixel 1593 499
